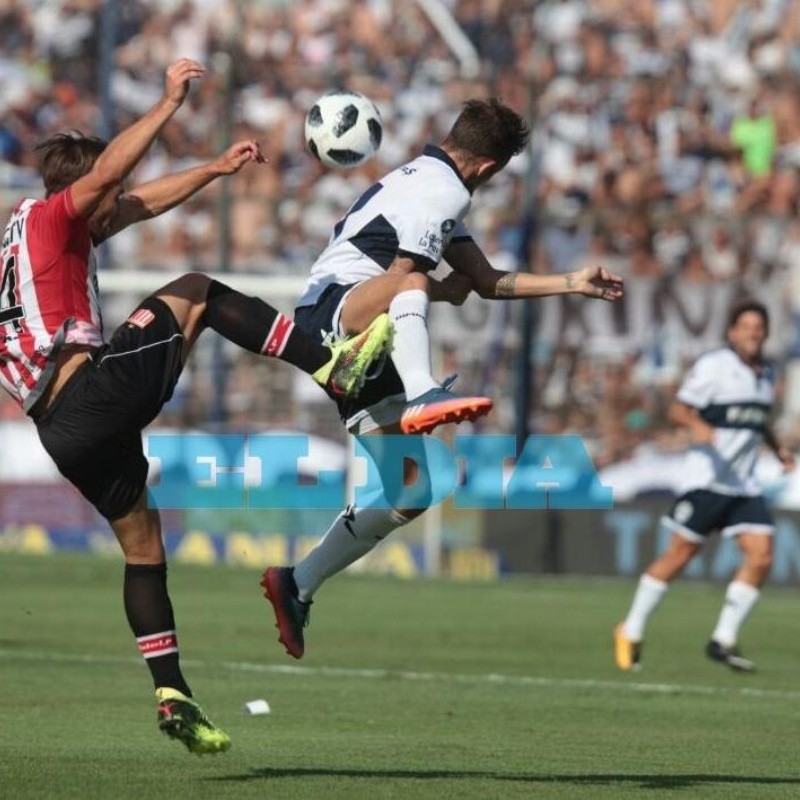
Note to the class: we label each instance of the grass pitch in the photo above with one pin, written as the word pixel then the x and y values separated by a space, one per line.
pixel 408 690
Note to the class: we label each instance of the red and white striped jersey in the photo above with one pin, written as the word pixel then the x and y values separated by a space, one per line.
pixel 48 293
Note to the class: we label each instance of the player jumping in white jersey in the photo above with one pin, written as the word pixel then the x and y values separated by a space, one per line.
pixel 377 261
pixel 725 402
pixel 89 399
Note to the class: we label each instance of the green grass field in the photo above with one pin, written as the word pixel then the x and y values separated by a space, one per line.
pixel 408 690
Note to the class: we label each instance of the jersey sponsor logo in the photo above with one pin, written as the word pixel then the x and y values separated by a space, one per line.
pixel 746 415
pixel 432 242
pixel 435 241
pixel 141 318
pixel 752 416
pixel 158 644
pixel 11 308
pixel 12 233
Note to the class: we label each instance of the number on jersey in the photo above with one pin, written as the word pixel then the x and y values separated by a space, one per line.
pixel 11 308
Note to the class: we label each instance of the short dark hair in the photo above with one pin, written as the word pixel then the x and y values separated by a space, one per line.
pixel 65 157
pixel 489 129
pixel 745 307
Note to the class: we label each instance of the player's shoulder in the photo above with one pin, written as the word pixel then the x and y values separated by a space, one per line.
pixel 434 164
pixel 718 358
pixel 25 204
pixel 58 202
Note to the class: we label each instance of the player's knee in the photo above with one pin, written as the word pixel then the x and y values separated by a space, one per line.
pixel 414 280
pixel 683 552
pixel 193 286
pixel 145 548
pixel 760 561
pixel 140 539
pixel 186 296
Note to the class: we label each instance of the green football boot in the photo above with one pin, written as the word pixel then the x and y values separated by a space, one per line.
pixel 351 358
pixel 179 717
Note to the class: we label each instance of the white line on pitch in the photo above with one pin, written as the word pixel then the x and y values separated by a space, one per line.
pixel 494 679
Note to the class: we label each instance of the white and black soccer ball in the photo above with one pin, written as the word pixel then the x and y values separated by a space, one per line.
pixel 343 129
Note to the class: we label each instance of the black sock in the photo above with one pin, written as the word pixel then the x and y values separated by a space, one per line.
pixel 149 613
pixel 258 327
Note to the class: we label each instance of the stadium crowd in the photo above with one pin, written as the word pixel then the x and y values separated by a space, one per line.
pixel 667 147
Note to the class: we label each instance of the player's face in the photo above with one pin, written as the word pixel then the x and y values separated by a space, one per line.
pixel 748 334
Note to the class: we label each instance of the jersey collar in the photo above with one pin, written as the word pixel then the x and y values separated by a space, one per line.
pixel 760 368
pixel 432 151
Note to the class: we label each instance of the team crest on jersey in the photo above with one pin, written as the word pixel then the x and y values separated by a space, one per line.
pixel 683 511
pixel 447 226
pixel 141 318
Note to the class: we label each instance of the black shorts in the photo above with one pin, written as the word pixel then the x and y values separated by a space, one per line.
pixel 92 430
pixel 696 514
pixel 382 380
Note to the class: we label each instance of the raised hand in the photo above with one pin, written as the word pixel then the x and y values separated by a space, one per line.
pixel 176 83
pixel 237 155
pixel 596 282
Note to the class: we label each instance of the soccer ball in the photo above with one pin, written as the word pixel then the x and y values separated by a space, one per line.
pixel 343 129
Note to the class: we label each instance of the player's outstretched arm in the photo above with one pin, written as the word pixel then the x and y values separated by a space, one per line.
pixel 468 259
pixel 155 197
pixel 126 149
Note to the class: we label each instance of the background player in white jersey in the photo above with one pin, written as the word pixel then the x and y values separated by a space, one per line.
pixel 89 399
pixel 377 261
pixel 725 402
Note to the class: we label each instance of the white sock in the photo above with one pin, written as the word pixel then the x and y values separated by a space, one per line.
pixel 740 598
pixel 353 534
pixel 411 348
pixel 645 601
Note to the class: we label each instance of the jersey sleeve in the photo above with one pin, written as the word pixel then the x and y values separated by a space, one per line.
pixel 55 222
pixel 697 388
pixel 425 234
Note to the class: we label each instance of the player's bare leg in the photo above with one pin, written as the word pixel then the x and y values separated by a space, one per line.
pixel 629 634
pixel 674 560
pixel 757 551
pixel 374 296
pixel 405 297
pixel 740 597
pixel 149 612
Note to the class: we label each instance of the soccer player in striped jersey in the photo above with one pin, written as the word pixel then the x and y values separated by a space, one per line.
pixel 725 402
pixel 90 399
pixel 377 261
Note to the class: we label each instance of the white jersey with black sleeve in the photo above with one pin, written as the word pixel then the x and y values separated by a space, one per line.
pixel 736 400
pixel 415 211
